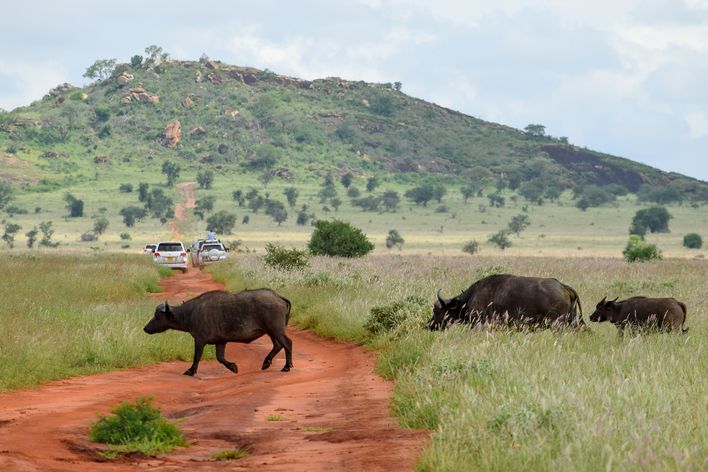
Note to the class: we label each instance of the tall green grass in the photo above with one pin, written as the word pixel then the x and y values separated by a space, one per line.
pixel 65 315
pixel 498 400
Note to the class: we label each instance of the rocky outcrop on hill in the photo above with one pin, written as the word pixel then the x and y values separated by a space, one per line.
pixel 61 88
pixel 124 78
pixel 172 134
pixel 137 95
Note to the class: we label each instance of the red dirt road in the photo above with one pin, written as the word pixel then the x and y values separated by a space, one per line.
pixel 333 411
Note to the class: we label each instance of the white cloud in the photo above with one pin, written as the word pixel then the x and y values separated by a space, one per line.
pixel 28 81
pixel 697 122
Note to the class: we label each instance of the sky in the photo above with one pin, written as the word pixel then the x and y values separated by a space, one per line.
pixel 626 77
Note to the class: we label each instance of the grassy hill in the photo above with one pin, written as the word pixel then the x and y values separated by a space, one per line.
pixel 257 129
pixel 257 121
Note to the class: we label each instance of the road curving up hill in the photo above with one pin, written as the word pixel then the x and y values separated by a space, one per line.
pixel 332 410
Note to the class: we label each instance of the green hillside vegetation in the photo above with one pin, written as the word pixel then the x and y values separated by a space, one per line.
pixel 361 152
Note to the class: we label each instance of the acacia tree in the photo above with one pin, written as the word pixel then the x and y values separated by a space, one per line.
pixel 11 230
pixel 291 194
pixel 519 223
pixel 171 170
pixel 205 179
pixel 101 69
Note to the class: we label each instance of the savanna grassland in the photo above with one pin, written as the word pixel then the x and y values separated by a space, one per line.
pixel 499 400
pixel 65 315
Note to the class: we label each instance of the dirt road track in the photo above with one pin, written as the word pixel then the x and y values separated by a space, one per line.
pixel 333 410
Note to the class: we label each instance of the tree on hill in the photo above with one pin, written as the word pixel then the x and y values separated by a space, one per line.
pixel 131 214
pixel 535 131
pixel 156 54
pixel 205 179
pixel 7 194
pixel 468 191
pixel 439 191
pixel 143 191
pixel 100 224
pixel 31 237
pixel 496 200
pixel 390 200
pixel 171 170
pixel 501 239
pixel 159 205
pixel 74 206
pixel 204 205
pixel 420 195
pixel 101 69
pixel 372 183
pixel 11 230
pixel 519 223
pixel 346 179
pixel 221 222
pixel 291 194
pixel 654 219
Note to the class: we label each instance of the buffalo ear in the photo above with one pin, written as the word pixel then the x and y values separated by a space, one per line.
pixel 167 307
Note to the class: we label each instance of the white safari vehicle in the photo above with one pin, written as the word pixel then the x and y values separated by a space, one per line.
pixel 209 251
pixel 171 254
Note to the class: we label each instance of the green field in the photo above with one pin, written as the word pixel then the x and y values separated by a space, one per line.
pixel 65 315
pixel 499 400
pixel 557 228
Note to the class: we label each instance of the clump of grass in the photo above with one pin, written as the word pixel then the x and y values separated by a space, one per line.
pixel 230 455
pixel 275 418
pixel 316 429
pixel 165 271
pixel 136 427
pixel 385 318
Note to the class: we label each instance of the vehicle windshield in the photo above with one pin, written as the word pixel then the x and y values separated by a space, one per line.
pixel 209 247
pixel 169 247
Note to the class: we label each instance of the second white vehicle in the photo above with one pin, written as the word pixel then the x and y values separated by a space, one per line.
pixel 171 254
pixel 211 251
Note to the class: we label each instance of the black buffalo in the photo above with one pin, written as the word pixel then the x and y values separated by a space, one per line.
pixel 643 312
pixel 511 299
pixel 219 317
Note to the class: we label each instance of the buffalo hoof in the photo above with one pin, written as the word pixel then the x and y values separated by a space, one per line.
pixel 265 365
pixel 189 372
pixel 286 368
pixel 232 367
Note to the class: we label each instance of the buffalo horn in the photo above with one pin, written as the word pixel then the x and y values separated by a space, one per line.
pixel 440 299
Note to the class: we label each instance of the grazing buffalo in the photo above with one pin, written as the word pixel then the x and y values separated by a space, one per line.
pixel 220 317
pixel 511 299
pixel 662 313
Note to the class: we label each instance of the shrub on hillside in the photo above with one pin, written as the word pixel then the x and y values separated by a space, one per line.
pixel 394 238
pixel 693 241
pixel 279 257
pixel 385 318
pixel 338 238
pixel 471 247
pixel 637 250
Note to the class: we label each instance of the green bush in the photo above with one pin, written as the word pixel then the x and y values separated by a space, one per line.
pixel 279 257
pixel 136 427
pixel 693 241
pixel 638 250
pixel 654 219
pixel 395 315
pixel 471 247
pixel 338 238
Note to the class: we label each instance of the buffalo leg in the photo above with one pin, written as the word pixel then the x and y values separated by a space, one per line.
pixel 273 352
pixel 198 349
pixel 220 350
pixel 288 345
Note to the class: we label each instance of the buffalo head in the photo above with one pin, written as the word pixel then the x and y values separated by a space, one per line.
pixel 604 310
pixel 443 313
pixel 161 321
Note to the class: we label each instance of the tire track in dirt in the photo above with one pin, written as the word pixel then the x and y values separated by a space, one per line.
pixel 186 191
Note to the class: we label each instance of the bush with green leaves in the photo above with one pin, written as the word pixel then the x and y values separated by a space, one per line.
pixel 393 239
pixel 693 241
pixel 410 312
pixel 136 427
pixel 279 257
pixel 471 247
pixel 638 250
pixel 338 238
pixel 74 206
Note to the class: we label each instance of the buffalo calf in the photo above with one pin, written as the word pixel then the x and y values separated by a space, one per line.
pixel 662 313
